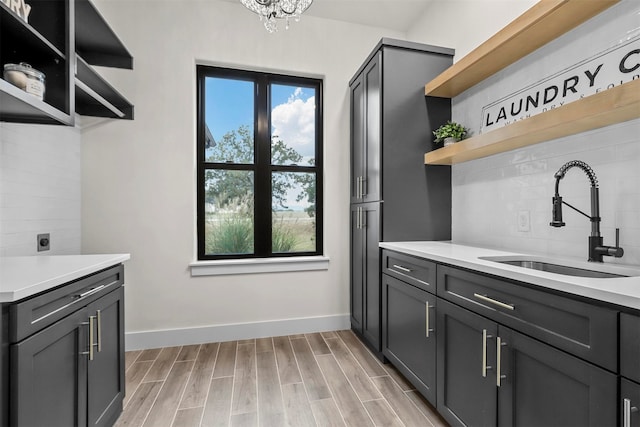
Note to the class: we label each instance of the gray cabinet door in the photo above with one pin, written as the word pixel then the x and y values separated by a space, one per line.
pixel 544 386
pixel 409 333
pixel 357 138
pixel 48 375
pixel 357 269
pixel 365 273
pixel 466 384
pixel 373 128
pixel 105 382
pixel 630 346
pixel 629 403
pixel 366 119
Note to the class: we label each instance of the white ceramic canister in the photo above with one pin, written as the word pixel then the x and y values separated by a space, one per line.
pixel 25 77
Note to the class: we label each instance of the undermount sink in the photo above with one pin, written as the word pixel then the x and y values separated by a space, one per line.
pixel 602 272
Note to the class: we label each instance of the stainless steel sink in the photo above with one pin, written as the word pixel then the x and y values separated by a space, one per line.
pixel 604 271
pixel 561 269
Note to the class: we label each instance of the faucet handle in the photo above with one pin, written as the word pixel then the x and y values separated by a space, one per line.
pixel 616 251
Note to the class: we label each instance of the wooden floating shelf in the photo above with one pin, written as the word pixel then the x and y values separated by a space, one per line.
pixel 612 106
pixel 545 21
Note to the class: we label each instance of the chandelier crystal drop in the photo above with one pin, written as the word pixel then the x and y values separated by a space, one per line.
pixel 270 11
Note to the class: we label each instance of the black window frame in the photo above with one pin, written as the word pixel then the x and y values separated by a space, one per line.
pixel 262 166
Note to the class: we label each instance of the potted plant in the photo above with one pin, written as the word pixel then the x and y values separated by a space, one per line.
pixel 450 132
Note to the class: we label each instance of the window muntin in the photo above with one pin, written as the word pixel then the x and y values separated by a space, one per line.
pixel 259 171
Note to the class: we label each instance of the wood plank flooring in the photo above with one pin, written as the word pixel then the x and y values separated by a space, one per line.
pixel 319 379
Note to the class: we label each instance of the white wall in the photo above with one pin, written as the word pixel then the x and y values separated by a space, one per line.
pixel 465 24
pixel 39 188
pixel 139 176
pixel 489 193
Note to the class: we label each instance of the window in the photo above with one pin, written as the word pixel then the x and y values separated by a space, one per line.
pixel 259 164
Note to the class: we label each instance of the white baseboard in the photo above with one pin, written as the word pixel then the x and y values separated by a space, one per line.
pixel 238 331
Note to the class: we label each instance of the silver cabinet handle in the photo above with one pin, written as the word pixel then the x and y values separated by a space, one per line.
pixel 495 302
pixel 499 345
pixel 91 291
pixel 99 318
pixel 485 367
pixel 627 409
pixel 405 269
pixel 362 191
pixel 358 218
pixel 363 221
pixel 426 316
pixel 91 320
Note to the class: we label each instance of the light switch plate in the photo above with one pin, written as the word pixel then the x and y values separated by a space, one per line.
pixel 524 221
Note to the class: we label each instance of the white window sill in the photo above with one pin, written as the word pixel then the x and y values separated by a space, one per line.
pixel 258 265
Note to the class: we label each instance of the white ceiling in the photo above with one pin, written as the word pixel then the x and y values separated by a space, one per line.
pixel 393 14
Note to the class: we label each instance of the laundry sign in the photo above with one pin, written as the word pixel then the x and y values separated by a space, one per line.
pixel 19 7
pixel 605 70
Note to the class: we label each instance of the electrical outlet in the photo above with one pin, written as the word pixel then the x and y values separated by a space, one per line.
pixel 524 221
pixel 44 241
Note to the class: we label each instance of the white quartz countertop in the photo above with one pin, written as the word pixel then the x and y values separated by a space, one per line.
pixel 23 276
pixel 623 291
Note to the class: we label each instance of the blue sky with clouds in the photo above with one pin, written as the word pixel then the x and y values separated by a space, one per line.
pixel 229 104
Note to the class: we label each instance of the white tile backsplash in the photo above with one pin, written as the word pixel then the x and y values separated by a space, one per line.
pixel 40 188
pixel 488 194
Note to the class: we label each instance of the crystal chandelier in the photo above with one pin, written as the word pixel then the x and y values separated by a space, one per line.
pixel 270 10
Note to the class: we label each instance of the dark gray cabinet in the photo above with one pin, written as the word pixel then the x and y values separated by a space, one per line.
pixel 105 379
pixel 629 370
pixel 409 333
pixel 391 125
pixel 48 368
pixel 466 355
pixel 65 354
pixel 490 375
pixel 585 330
pixel 507 353
pixel 365 272
pixel 629 403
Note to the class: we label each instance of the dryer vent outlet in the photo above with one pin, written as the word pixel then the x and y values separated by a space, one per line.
pixel 44 241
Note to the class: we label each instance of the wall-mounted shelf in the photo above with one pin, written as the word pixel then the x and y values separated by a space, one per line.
pixel 545 21
pixel 46 50
pixel 615 105
pixel 97 98
pixel 57 33
pixel 21 107
pixel 95 40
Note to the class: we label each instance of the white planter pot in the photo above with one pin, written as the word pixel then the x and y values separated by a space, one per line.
pixel 450 141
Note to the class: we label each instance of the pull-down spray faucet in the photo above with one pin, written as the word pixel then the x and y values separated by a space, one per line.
pixel 596 249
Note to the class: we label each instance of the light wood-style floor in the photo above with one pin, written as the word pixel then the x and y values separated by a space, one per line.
pixel 319 379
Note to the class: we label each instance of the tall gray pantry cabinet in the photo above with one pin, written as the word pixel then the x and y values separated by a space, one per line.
pixel 394 196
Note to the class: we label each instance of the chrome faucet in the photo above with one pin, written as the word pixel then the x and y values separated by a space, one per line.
pixel 596 249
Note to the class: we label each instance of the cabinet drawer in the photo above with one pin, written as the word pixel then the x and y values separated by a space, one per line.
pixel 630 346
pixel 416 271
pixel 33 314
pixel 582 329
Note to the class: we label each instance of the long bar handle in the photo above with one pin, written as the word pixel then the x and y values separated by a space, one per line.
pixel 495 302
pixel 627 409
pixel 485 367
pixel 99 318
pixel 91 325
pixel 426 316
pixel 91 291
pixel 401 268
pixel 499 376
